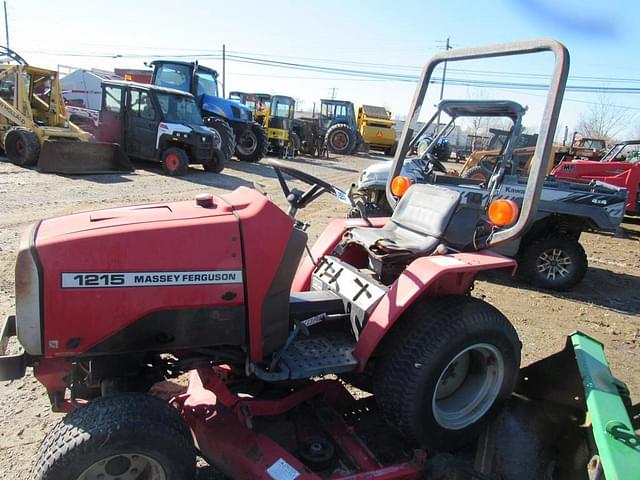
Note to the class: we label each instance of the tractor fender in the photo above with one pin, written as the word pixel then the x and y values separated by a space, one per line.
pixel 324 245
pixel 432 276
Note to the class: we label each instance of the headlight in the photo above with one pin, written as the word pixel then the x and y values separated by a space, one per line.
pixel 28 312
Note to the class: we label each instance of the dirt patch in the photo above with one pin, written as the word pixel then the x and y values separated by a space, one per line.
pixel 606 305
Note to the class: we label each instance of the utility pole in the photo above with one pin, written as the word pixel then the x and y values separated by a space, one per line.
pixel 224 78
pixel 447 46
pixel 6 23
pixel 333 93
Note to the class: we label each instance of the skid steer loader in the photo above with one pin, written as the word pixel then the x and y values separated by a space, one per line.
pixel 34 130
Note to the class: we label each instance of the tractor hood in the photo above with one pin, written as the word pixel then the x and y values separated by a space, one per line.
pixel 101 222
pixel 225 108
pixel 375 176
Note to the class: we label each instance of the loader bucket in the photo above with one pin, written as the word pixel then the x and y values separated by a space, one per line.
pixel 78 158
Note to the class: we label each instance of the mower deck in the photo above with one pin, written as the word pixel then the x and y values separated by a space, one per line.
pixel 314 432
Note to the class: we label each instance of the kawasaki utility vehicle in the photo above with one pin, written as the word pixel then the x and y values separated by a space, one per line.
pixel 103 313
pixel 549 252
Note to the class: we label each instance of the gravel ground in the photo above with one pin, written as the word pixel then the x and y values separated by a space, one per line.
pixel 606 305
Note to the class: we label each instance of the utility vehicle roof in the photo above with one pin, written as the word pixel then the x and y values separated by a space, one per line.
pixel 146 86
pixel 482 108
pixel 188 64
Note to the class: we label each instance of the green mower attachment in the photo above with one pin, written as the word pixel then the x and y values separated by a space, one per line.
pixel 578 377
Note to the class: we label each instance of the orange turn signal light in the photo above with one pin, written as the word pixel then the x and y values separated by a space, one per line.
pixel 503 212
pixel 400 185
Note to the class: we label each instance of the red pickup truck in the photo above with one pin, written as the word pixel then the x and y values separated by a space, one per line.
pixel 620 166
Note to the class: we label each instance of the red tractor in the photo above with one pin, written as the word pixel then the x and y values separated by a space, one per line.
pixel 620 166
pixel 109 303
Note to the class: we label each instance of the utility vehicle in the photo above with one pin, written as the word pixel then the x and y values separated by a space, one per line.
pixel 619 166
pixel 233 121
pixel 549 252
pixel 158 124
pixel 385 304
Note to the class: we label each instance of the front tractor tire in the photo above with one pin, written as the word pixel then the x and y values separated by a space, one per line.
pixel 252 143
pixel 21 146
pixel 227 137
pixel 445 369
pixel 175 162
pixel 216 163
pixel 341 139
pixel 120 436
pixel 556 262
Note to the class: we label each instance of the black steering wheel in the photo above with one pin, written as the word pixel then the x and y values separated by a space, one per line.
pixel 436 164
pixel 298 199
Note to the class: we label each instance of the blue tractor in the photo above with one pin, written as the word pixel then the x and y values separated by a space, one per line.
pixel 233 121
pixel 338 119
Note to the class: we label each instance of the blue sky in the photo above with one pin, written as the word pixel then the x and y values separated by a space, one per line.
pixel 603 39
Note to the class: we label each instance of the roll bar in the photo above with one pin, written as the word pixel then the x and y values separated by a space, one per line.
pixel 541 156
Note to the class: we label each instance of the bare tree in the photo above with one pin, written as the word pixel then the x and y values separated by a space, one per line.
pixel 604 119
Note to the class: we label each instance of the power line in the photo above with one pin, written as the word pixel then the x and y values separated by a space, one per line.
pixel 377 74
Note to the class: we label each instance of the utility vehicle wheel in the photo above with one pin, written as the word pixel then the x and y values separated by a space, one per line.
pixel 175 161
pixel 556 262
pixel 445 368
pixel 340 139
pixel 125 436
pixel 252 144
pixel 478 173
pixel 216 162
pixel 228 145
pixel 294 144
pixel 21 146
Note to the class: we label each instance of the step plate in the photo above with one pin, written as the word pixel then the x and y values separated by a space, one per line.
pixel 319 355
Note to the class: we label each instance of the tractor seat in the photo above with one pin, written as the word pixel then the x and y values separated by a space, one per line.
pixel 416 227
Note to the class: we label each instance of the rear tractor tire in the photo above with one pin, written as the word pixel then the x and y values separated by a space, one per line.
pixel 445 369
pixel 22 147
pixel 227 137
pixel 120 436
pixel 252 144
pixel 478 173
pixel 341 139
pixel 175 161
pixel 556 262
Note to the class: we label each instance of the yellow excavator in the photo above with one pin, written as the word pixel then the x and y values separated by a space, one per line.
pixel 34 130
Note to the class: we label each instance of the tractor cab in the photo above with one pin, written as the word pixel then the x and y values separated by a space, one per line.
pixel 333 112
pixel 201 82
pixel 279 122
pixel 258 103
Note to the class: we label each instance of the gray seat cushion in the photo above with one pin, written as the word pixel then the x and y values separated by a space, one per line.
pixel 417 225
